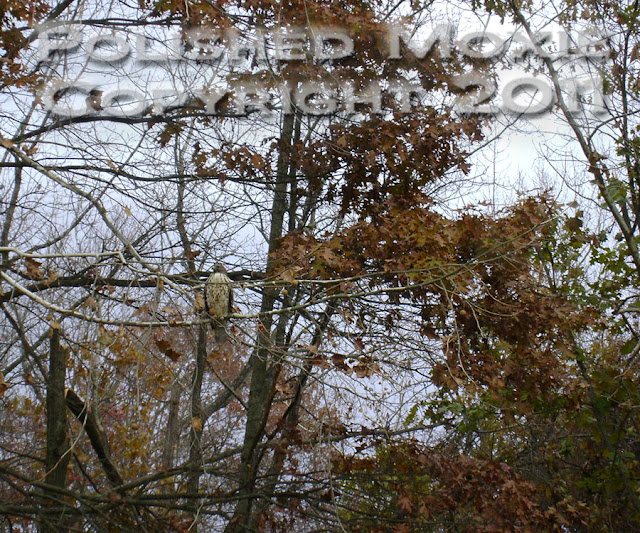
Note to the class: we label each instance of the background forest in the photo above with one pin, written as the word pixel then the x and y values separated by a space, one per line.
pixel 423 337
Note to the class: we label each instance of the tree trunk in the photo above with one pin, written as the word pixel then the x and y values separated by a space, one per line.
pixel 264 360
pixel 58 454
pixel 197 421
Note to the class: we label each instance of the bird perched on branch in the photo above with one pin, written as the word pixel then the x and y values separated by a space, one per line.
pixel 218 298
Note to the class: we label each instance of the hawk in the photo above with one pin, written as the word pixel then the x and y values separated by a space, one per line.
pixel 218 299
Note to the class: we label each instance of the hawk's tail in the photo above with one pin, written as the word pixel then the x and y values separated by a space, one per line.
pixel 219 328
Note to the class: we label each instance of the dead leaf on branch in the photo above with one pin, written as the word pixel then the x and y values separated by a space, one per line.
pixel 33 268
pixel 311 348
pixel 320 361
pixel 52 278
pixel 366 367
pixel 363 371
pixel 158 281
pixel 339 361
pixel 196 423
pixel 289 275
pixel 215 354
pixel 405 503
pixel 106 337
pixel 167 349
pixel 91 303
pixel 3 385
pixel 285 388
pixel 198 305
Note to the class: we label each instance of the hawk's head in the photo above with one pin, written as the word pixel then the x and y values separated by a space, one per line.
pixel 219 268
